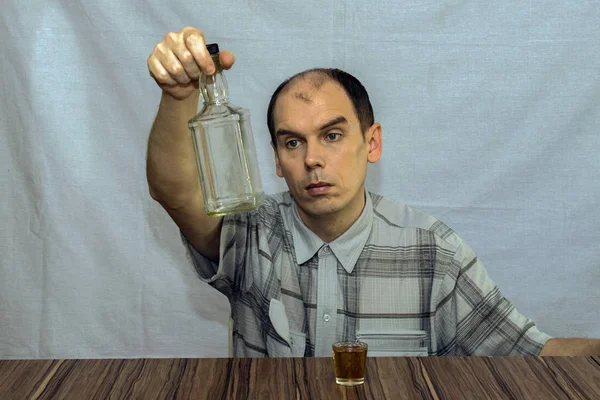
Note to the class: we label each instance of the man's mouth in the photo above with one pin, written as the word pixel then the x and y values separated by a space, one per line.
pixel 317 184
pixel 318 188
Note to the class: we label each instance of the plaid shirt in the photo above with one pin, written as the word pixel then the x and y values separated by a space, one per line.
pixel 395 270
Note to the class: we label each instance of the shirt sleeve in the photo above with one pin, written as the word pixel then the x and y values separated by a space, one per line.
pixel 239 237
pixel 487 324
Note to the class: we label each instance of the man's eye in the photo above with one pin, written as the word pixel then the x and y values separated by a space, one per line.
pixel 333 136
pixel 292 143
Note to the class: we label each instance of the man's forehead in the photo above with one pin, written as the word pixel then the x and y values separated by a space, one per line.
pixel 310 101
pixel 302 95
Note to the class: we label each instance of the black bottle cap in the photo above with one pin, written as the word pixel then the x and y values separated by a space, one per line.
pixel 212 48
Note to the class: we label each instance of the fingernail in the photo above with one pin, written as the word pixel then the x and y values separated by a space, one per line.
pixel 210 69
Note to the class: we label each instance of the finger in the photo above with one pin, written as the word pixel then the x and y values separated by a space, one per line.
pixel 226 58
pixel 171 63
pixel 188 62
pixel 159 73
pixel 194 41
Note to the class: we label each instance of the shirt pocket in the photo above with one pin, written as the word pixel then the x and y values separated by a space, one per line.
pixel 278 347
pixel 287 343
pixel 399 343
pixel 298 344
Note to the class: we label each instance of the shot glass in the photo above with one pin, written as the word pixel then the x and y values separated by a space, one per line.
pixel 349 362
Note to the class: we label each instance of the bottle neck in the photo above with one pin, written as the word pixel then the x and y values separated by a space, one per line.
pixel 213 88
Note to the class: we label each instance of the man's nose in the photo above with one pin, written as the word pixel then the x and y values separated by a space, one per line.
pixel 314 157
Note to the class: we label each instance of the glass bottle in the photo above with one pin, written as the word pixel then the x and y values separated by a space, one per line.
pixel 224 147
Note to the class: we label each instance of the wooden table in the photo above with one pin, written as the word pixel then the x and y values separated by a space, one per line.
pixel 302 378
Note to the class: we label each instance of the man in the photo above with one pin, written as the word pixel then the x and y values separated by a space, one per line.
pixel 326 260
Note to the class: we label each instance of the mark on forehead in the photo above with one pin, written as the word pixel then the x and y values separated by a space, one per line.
pixel 310 83
pixel 302 96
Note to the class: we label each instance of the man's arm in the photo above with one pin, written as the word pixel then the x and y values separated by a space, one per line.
pixel 571 347
pixel 176 64
pixel 173 176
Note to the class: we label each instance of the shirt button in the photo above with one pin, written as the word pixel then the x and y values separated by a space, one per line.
pixel 326 249
pixel 326 317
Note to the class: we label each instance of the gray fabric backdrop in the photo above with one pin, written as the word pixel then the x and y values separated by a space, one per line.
pixel 490 114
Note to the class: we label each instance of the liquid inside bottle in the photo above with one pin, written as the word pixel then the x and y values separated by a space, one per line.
pixel 225 150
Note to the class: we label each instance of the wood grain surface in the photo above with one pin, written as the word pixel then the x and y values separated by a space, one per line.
pixel 302 378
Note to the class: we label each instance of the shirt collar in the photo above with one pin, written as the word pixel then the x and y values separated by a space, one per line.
pixel 346 248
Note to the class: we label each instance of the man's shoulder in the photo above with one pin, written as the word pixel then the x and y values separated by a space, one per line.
pixel 392 214
pixel 275 202
pixel 279 198
pixel 272 208
pixel 269 213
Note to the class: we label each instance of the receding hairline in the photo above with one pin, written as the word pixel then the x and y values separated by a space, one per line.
pixel 315 79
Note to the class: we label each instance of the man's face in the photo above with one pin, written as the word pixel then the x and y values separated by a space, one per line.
pixel 321 151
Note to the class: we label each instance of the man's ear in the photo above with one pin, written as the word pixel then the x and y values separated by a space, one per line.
pixel 373 138
pixel 277 163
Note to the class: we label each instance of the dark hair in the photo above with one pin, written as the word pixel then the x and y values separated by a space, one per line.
pixel 354 90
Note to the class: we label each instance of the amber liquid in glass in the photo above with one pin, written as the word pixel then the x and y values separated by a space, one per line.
pixel 349 362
